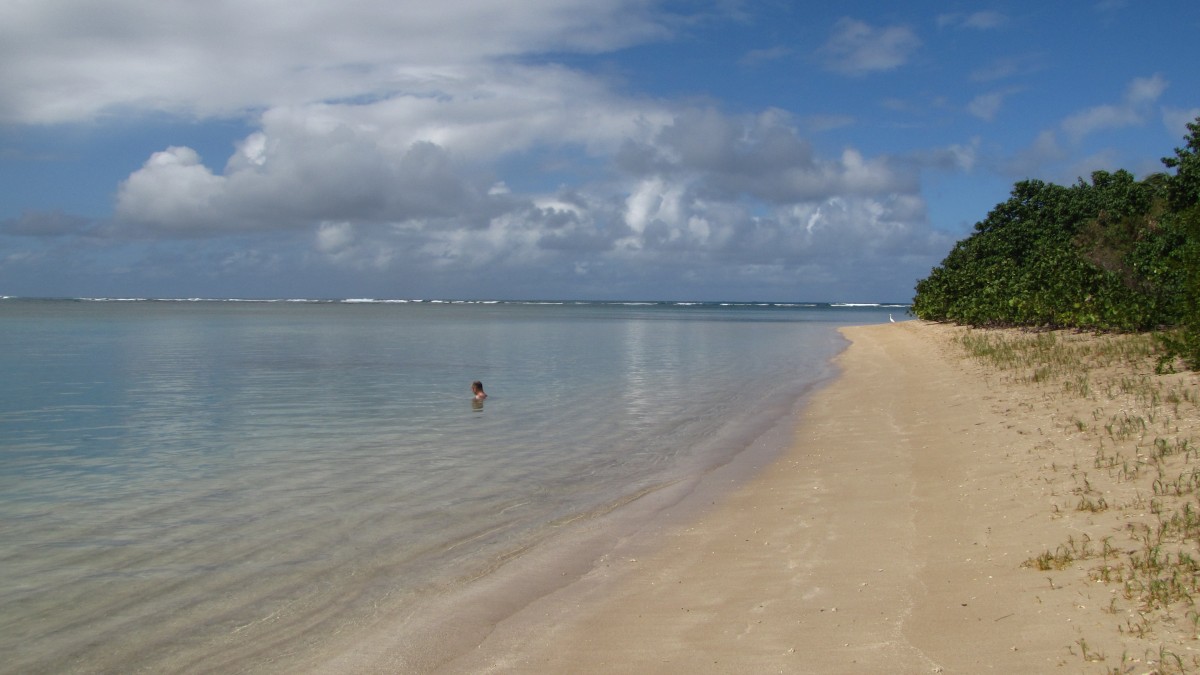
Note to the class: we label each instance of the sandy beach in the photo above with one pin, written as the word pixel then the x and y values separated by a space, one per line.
pixel 902 534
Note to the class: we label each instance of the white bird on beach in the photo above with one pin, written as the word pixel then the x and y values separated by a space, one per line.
pixel 891 319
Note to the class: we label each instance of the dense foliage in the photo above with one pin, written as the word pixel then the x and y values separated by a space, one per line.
pixel 1114 253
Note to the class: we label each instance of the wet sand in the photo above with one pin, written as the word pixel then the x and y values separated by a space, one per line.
pixel 891 538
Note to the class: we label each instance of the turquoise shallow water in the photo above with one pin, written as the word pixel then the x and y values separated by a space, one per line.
pixel 179 479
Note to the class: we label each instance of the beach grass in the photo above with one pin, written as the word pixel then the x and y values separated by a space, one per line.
pixel 1131 515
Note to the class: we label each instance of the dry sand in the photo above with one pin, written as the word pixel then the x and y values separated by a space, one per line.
pixel 893 538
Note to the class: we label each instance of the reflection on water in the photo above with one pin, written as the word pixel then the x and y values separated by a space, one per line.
pixel 637 369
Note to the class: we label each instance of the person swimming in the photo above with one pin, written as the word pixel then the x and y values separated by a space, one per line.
pixel 477 390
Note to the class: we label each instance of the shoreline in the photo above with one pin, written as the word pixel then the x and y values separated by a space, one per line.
pixel 815 565
pixel 273 532
pixel 896 534
pixel 450 631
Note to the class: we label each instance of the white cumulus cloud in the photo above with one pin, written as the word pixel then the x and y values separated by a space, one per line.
pixel 382 136
pixel 73 60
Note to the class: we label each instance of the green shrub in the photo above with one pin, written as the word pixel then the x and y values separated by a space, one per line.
pixel 1114 254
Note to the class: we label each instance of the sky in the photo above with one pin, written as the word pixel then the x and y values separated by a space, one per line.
pixel 728 150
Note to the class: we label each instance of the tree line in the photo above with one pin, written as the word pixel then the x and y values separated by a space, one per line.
pixel 1109 254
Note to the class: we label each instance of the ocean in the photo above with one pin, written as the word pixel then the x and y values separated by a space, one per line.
pixel 190 483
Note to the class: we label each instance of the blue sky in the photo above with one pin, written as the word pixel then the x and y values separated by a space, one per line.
pixel 591 149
